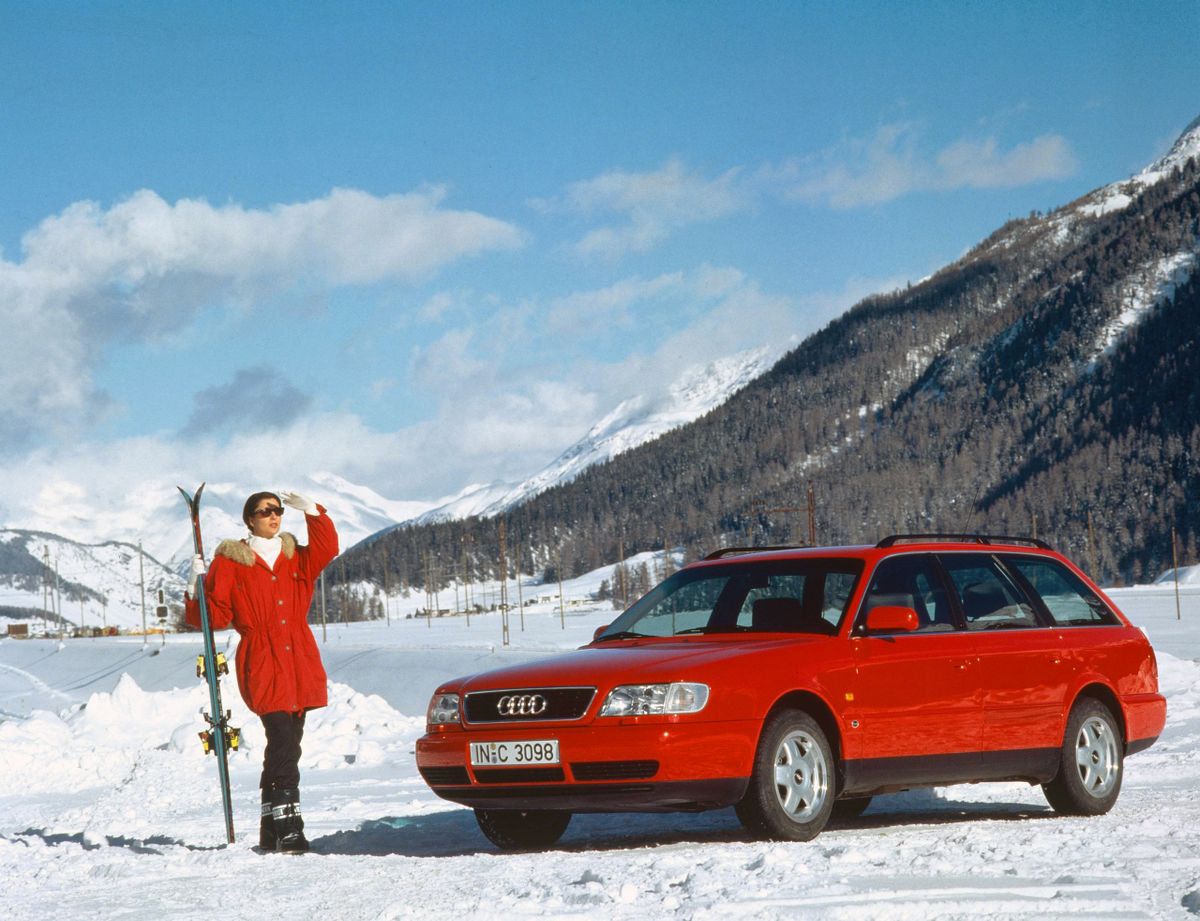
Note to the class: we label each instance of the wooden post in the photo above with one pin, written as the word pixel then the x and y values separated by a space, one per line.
pixel 503 586
pixel 562 614
pixel 812 517
pixel 1095 573
pixel 1175 564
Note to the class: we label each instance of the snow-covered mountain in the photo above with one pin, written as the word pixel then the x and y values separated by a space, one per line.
pixel 633 422
pixel 87 584
pixel 94 567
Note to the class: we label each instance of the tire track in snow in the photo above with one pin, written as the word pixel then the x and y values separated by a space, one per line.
pixel 37 683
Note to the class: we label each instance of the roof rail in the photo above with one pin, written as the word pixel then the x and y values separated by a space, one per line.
pixel 734 551
pixel 892 539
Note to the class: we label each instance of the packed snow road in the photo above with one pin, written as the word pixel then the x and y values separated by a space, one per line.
pixel 110 810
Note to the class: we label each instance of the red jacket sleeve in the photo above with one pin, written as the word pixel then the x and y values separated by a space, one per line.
pixel 322 544
pixel 218 590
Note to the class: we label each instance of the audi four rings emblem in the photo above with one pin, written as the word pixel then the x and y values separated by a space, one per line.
pixel 521 705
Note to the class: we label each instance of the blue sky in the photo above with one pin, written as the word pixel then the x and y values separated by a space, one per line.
pixel 422 245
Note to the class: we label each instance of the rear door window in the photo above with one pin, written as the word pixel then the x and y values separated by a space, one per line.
pixel 1068 599
pixel 989 597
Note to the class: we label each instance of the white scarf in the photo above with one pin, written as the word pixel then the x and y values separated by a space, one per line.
pixel 268 548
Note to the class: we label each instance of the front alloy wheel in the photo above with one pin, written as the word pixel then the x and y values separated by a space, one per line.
pixel 791 790
pixel 1089 775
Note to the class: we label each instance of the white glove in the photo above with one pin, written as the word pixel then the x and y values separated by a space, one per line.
pixel 303 503
pixel 197 574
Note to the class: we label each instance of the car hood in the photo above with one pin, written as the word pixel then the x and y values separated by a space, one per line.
pixel 624 661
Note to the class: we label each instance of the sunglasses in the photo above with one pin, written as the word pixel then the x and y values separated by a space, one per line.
pixel 268 512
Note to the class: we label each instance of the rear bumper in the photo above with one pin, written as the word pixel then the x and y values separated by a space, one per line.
pixel 624 766
pixel 1145 717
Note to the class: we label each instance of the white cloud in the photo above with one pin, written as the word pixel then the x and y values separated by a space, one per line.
pixel 653 204
pixel 611 306
pixel 145 268
pixel 891 164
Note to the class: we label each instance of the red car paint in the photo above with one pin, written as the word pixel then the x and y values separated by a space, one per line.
pixel 953 701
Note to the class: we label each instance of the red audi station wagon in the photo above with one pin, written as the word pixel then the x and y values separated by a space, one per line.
pixel 796 684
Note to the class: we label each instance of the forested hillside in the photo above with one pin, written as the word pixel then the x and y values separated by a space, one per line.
pixel 1048 379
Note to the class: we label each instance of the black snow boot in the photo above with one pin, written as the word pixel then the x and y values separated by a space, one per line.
pixel 289 826
pixel 266 825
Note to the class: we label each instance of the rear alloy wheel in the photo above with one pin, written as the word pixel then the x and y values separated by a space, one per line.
pixel 791 788
pixel 522 829
pixel 1089 775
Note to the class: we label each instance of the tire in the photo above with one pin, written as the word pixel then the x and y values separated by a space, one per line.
pixel 847 810
pixel 791 787
pixel 517 829
pixel 1092 765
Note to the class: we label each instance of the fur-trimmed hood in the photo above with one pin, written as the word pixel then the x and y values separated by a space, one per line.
pixel 239 551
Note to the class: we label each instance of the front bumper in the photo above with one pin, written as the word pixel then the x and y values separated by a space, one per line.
pixel 630 765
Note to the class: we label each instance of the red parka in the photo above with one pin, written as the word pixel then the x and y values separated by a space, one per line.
pixel 278 665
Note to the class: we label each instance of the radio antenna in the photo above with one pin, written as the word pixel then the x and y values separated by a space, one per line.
pixel 974 501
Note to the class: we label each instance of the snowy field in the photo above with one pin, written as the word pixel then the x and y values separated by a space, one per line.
pixel 108 808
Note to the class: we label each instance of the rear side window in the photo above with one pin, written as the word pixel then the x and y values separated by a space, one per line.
pixel 911 582
pixel 1068 599
pixel 989 597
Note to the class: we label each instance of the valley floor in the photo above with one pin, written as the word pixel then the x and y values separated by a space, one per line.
pixel 110 810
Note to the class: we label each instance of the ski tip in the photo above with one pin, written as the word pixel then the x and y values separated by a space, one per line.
pixel 189 498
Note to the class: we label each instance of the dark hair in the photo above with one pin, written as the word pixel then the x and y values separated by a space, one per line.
pixel 252 504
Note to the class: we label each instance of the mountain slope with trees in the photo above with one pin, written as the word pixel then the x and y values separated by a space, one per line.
pixel 1047 382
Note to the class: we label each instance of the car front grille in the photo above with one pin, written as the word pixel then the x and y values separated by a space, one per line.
pixel 525 705
pixel 613 770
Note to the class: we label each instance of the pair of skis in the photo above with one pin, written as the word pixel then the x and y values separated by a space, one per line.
pixel 220 737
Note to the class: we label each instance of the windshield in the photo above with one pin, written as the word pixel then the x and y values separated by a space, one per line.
pixel 788 596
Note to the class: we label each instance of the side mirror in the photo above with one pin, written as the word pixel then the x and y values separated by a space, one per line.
pixel 889 618
pixel 598 631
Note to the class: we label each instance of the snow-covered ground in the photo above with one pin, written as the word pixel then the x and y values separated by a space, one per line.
pixel 108 808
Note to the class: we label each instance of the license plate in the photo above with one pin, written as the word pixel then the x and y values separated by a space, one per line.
pixel 511 754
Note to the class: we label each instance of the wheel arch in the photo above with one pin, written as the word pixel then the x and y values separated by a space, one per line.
pixel 1099 691
pixel 816 707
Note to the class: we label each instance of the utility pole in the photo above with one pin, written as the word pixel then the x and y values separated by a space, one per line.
pixel 503 586
pixel 62 623
pixel 46 590
pixel 466 539
pixel 428 595
pixel 1095 573
pixel 621 572
pixel 324 630
pixel 520 595
pixel 142 577
pixel 562 614
pixel 387 603
pixel 810 508
pixel 1175 566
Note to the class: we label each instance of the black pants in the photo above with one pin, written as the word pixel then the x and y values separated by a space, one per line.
pixel 281 760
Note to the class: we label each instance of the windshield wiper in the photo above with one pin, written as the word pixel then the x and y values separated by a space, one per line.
pixel 621 635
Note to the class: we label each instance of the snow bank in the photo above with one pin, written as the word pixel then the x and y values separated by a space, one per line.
pixel 98 743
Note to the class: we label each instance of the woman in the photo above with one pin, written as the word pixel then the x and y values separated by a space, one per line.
pixel 262 585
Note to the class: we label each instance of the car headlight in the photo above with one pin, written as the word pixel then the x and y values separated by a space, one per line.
pixel 443 709
pixel 649 699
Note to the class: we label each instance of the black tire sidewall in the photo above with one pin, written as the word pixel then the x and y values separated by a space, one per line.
pixel 761 810
pixel 1066 792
